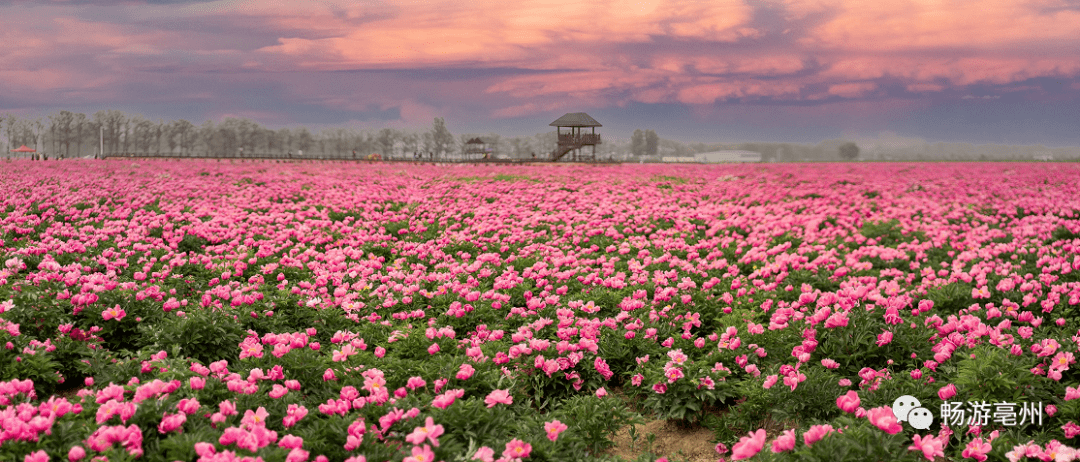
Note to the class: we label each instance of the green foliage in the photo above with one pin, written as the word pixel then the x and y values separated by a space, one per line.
pixel 887 233
pixel 201 334
pixel 191 243
pixel 988 376
pixel 1062 233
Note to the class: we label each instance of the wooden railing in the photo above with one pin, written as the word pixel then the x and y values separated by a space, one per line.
pixel 579 139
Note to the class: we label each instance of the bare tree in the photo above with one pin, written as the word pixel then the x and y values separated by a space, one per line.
pixel 271 138
pixel 187 133
pixel 79 122
pixel 159 131
pixel 849 151
pixel 637 143
pixel 111 121
pixel 427 140
pixel 285 140
pixel 207 133
pixel 442 139
pixel 652 143
pixel 387 139
pixel 304 140
pixel 410 142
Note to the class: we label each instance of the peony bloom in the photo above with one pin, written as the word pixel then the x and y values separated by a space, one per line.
pixel 171 422
pixel 256 418
pixel 770 381
pixel 517 449
pixel 76 453
pixel 116 313
pixel 1072 393
pixel 815 433
pixel 429 431
pixel 291 442
pixel 946 392
pixel 484 454
pixel 498 397
pixel 977 450
pixel 553 429
pixel 884 418
pixel 848 402
pixel 784 442
pixel 36 456
pixel 930 446
pixel 419 454
pixel 748 446
pixel 465 372
pixel 884 338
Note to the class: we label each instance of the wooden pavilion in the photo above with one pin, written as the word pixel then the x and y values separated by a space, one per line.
pixel 573 139
pixel 477 147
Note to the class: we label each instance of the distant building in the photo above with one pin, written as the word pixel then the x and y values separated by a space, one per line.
pixel 728 156
pixel 1044 156
pixel 679 159
pixel 573 139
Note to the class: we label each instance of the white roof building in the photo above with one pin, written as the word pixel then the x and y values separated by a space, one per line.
pixel 728 156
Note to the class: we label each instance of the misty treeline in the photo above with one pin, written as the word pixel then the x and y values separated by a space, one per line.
pixel 68 134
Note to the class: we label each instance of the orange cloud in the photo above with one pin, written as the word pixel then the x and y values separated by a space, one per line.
pixel 960 25
pixel 499 32
pixel 851 90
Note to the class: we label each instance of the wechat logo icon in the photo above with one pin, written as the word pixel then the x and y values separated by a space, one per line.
pixel 908 408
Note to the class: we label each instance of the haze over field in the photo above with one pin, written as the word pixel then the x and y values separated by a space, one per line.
pixel 794 71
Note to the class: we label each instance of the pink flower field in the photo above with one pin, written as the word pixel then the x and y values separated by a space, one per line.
pixel 215 311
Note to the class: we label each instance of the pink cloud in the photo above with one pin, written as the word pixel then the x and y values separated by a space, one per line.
pixel 596 54
pixel 934 25
pixel 852 90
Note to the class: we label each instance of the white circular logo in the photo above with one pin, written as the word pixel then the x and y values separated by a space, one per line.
pixel 920 418
pixel 903 405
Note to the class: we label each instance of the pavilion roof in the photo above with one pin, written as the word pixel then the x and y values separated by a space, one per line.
pixel 575 119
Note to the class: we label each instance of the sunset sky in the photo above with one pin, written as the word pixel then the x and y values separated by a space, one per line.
pixel 981 71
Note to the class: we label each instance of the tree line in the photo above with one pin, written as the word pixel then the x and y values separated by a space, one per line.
pixel 68 134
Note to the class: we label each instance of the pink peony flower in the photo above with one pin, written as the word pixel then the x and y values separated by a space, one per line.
pixel 748 446
pixel 465 372
pixel 171 422
pixel 291 442
pixel 884 418
pixel 429 432
pixel 1072 393
pixel 946 392
pixel 498 397
pixel 784 442
pixel 517 449
pixel 848 402
pixel 977 450
pixel 816 433
pixel 484 454
pixel 419 454
pixel 76 453
pixel 116 313
pixel 770 381
pixel 930 446
pixel 36 456
pixel 553 429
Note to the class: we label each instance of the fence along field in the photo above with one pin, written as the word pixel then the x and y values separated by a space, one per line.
pixel 209 311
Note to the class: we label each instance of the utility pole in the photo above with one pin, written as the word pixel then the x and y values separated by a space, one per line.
pixel 102 141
